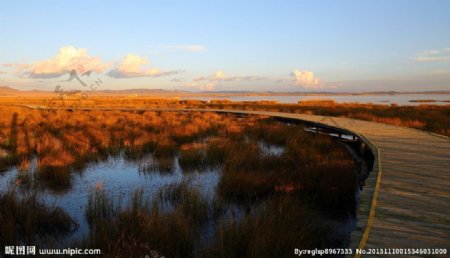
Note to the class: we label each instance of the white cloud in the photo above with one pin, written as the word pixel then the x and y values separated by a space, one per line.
pixel 306 79
pixel 68 58
pixel 187 48
pixel 429 52
pixel 209 86
pixel 132 66
pixel 442 55
pixel 220 76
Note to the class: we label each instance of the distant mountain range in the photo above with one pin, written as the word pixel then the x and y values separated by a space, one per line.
pixel 8 91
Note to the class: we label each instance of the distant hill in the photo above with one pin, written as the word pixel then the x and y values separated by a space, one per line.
pixel 7 91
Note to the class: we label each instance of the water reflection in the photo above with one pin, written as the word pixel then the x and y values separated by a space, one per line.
pixel 270 149
pixel 119 178
pixel 387 99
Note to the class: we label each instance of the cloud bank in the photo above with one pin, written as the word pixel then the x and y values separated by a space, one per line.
pixel 68 58
pixel 306 79
pixel 220 76
pixel 132 66
pixel 441 55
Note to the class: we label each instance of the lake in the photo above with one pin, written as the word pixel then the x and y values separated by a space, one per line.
pixel 399 99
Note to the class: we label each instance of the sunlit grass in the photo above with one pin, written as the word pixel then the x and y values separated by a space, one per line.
pixel 313 177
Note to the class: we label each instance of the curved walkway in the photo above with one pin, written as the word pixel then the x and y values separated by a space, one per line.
pixel 411 207
pixel 407 193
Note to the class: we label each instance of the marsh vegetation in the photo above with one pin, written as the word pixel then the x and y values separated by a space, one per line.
pixel 183 184
pixel 425 116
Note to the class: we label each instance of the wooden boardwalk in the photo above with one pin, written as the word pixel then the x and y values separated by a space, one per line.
pixel 412 169
pixel 406 200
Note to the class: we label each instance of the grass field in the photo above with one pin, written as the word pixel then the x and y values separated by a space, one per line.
pixel 431 118
pixel 265 204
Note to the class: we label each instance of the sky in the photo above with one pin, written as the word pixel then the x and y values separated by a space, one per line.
pixel 370 45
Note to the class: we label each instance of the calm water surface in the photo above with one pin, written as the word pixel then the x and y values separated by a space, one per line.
pixel 119 178
pixel 399 99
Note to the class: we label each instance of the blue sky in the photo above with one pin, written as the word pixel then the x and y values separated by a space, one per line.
pixel 229 45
